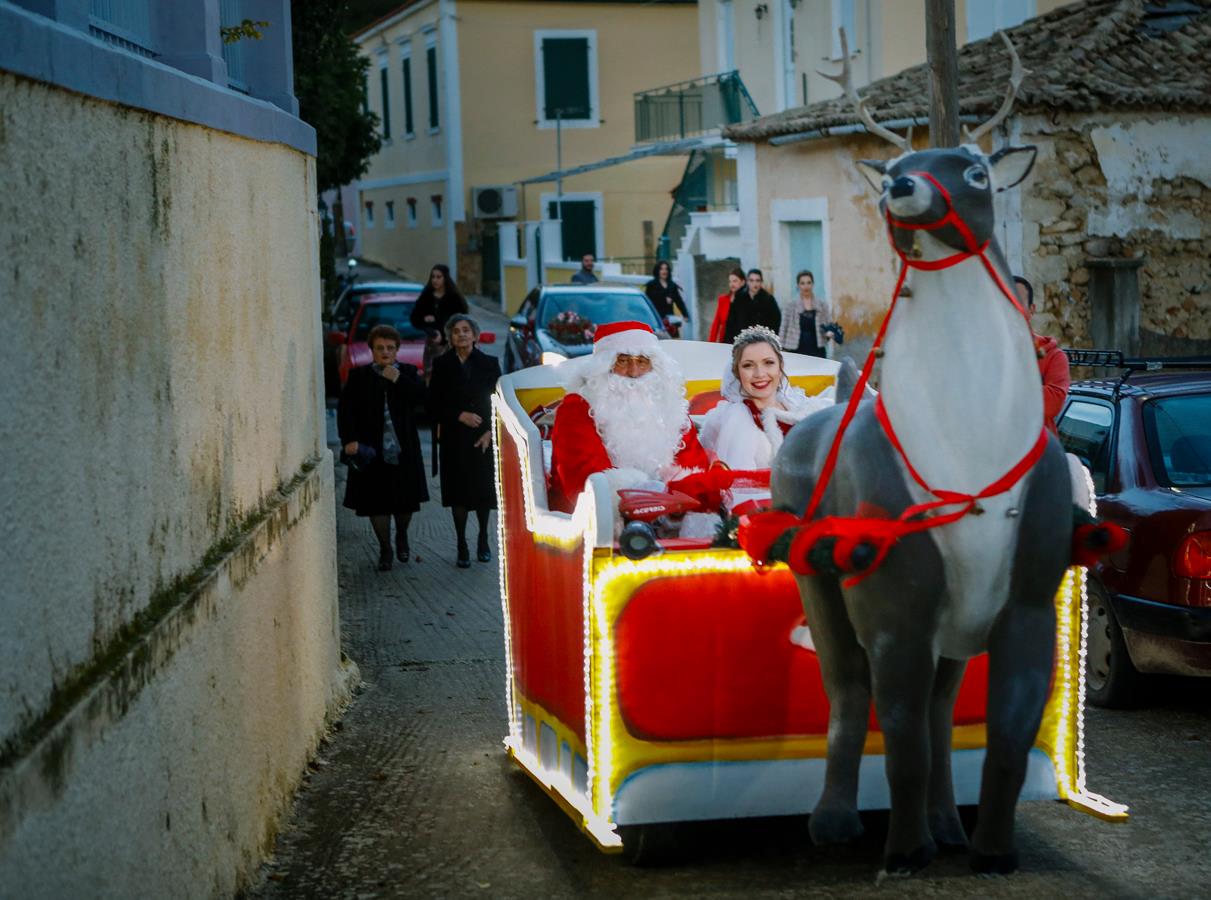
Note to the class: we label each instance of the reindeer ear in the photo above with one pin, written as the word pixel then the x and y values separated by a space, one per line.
pixel 1010 165
pixel 873 171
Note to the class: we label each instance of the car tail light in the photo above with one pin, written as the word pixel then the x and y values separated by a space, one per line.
pixel 1193 556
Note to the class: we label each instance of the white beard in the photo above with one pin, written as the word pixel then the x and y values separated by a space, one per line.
pixel 640 420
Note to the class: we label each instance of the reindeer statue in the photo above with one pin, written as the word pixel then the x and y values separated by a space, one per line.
pixel 966 505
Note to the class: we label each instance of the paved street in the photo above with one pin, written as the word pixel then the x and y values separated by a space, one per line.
pixel 413 795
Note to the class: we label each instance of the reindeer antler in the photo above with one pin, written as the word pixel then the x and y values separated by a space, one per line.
pixel 1016 74
pixel 846 80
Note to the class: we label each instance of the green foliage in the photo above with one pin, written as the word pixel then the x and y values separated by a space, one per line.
pixel 329 79
pixel 246 29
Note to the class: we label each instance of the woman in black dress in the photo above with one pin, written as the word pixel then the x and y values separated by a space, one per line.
pixel 439 300
pixel 376 421
pixel 665 293
pixel 460 404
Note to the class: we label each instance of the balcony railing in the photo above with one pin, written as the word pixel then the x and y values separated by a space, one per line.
pixel 691 108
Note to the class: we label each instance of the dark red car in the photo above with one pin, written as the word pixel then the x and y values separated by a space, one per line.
pixel 1146 437
pixel 394 310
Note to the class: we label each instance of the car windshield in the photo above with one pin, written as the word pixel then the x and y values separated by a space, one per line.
pixel 599 308
pixel 1179 434
pixel 393 314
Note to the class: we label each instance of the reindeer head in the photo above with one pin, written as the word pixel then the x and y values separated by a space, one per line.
pixel 943 192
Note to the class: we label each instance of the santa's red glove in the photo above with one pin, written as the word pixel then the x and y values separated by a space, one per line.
pixel 705 487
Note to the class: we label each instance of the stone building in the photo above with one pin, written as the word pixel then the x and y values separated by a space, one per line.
pixel 1118 102
pixel 170 647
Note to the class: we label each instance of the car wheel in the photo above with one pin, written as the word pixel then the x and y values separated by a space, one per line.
pixel 1111 679
pixel 651 845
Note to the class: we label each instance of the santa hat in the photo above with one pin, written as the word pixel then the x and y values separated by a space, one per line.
pixel 632 338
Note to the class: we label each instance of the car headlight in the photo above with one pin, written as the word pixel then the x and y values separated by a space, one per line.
pixel 550 358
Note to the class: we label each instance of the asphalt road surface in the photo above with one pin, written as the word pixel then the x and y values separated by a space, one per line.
pixel 413 795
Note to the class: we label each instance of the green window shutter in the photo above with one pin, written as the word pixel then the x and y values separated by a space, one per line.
pixel 408 129
pixel 382 76
pixel 565 73
pixel 431 62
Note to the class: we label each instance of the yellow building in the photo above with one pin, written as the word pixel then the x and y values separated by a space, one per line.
pixel 477 96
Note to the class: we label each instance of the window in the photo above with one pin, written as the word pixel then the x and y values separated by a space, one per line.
pixel 989 16
pixel 124 23
pixel 843 17
pixel 431 70
pixel 409 130
pixel 1178 430
pixel 411 204
pixel 365 93
pixel 435 209
pixel 369 213
pixel 382 77
pixel 390 213
pixel 1085 432
pixel 566 64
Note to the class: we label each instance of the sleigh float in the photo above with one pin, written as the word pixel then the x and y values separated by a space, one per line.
pixel 684 686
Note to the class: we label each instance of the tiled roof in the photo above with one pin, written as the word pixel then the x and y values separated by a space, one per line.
pixel 1084 57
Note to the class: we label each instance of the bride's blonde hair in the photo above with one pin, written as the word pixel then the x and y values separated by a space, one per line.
pixel 756 334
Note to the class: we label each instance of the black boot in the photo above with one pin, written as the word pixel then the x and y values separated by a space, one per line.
pixel 482 553
pixel 464 555
pixel 384 558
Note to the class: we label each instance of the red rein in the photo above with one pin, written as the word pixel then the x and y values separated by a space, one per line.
pixel 758 532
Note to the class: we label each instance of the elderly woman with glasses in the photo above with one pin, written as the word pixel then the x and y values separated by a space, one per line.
pixel 460 404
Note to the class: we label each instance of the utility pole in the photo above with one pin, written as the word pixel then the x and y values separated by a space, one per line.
pixel 943 62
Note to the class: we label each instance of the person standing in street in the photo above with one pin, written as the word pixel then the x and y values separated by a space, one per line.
pixel 1053 362
pixel 376 422
pixel 723 306
pixel 584 275
pixel 665 293
pixel 755 307
pixel 805 318
pixel 439 300
pixel 460 405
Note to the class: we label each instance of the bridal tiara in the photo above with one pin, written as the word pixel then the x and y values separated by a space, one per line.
pixel 756 334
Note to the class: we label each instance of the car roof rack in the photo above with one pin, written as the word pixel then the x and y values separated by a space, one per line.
pixel 1114 359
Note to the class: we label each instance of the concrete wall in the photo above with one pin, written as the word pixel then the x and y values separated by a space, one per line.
pixel 1128 185
pixel 171 639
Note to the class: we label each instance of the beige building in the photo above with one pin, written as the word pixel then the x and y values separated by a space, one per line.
pixel 170 653
pixel 1111 226
pixel 477 96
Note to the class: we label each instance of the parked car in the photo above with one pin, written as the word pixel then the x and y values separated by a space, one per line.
pixel 340 316
pixel 396 311
pixel 533 333
pixel 1146 438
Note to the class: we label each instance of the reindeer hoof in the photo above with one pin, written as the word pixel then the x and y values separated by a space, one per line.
pixel 900 865
pixel 829 827
pixel 994 863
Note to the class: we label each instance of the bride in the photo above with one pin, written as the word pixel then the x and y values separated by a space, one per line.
pixel 759 406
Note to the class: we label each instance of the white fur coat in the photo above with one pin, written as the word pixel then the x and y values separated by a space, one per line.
pixel 730 433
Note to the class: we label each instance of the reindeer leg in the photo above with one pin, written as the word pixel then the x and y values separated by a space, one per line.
pixel 944 823
pixel 903 673
pixel 846 677
pixel 1019 672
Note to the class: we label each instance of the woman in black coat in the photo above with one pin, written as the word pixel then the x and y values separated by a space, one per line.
pixel 376 421
pixel 439 300
pixel 460 404
pixel 665 293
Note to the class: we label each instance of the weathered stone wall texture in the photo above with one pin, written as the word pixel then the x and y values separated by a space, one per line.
pixel 1121 186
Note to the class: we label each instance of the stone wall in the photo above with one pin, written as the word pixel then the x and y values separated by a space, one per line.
pixel 171 641
pixel 1126 185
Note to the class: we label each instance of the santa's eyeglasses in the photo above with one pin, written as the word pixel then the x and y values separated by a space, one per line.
pixel 631 366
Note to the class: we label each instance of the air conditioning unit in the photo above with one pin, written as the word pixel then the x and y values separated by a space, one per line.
pixel 494 201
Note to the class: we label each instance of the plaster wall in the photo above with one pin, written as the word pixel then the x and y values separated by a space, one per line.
pixel 1124 185
pixel 162 391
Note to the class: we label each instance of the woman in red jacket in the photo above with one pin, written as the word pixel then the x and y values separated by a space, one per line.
pixel 735 283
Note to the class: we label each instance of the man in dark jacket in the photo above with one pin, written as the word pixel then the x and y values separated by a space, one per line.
pixel 756 307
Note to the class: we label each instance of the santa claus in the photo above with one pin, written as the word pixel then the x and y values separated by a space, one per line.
pixel 625 414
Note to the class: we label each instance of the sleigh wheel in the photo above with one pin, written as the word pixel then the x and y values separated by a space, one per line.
pixel 650 845
pixel 1111 679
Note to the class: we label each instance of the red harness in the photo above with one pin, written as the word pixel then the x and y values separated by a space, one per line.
pixel 758 532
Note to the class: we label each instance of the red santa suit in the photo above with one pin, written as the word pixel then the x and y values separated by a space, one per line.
pixel 632 446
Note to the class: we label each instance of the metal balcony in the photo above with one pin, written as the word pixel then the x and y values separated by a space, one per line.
pixel 691 108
